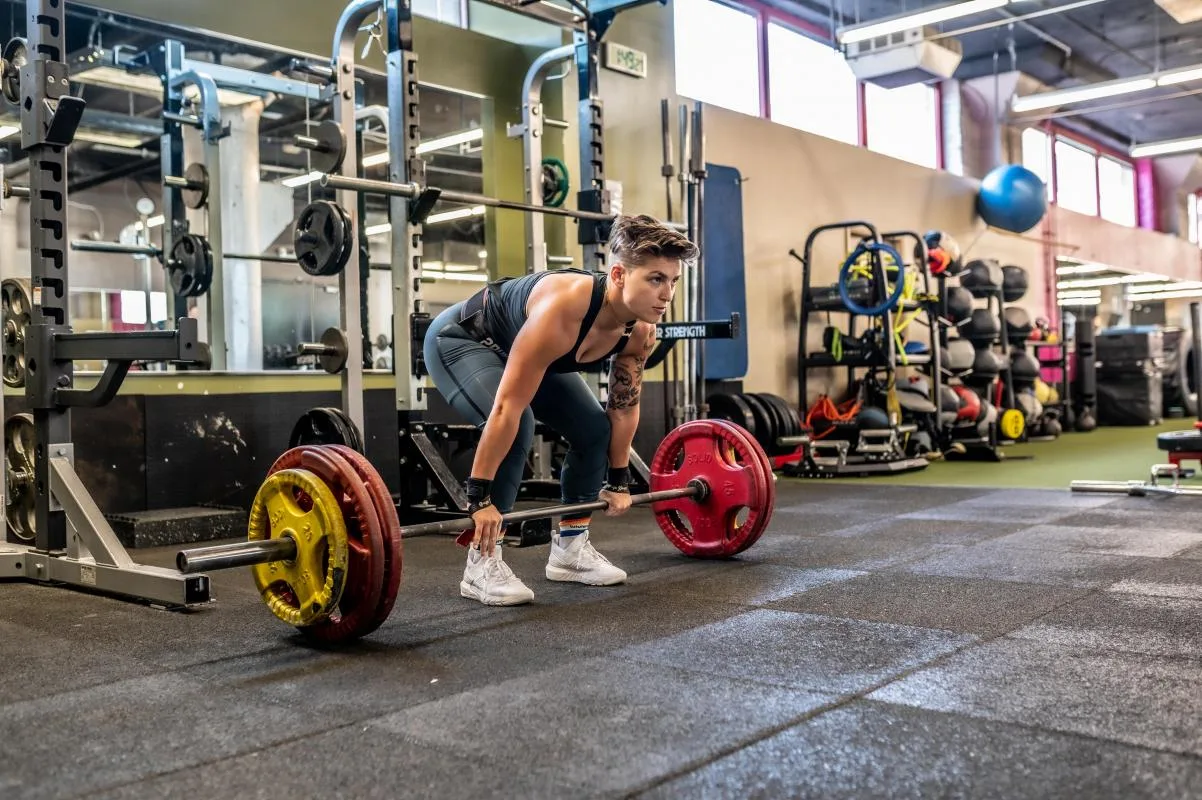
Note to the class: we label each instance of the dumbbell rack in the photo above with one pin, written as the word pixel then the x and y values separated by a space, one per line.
pixel 73 544
pixel 876 451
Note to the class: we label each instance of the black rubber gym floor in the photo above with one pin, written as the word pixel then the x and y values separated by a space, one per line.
pixel 877 641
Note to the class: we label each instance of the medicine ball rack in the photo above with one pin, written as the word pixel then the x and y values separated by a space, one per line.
pixel 855 451
pixel 72 543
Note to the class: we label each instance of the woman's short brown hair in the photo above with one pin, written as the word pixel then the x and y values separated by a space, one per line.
pixel 634 240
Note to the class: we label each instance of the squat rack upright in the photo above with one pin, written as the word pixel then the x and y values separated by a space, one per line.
pixel 73 543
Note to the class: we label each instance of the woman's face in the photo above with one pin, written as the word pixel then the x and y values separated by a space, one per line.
pixel 647 289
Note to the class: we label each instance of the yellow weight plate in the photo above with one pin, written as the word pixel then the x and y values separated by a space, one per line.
pixel 297 504
pixel 1013 423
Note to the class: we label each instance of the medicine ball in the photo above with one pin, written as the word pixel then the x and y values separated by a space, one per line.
pixel 982 327
pixel 948 399
pixel 915 383
pixel 982 277
pixel 1043 392
pixel 985 366
pixel 960 355
pixel 943 253
pixel 1018 325
pixel 872 418
pixel 1014 283
pixel 970 404
pixel 958 303
pixel 1024 369
pixel 1012 198
pixel 989 415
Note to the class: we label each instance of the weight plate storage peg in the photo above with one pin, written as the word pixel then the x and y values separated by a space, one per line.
pixel 737 506
pixel 16 310
pixel 296 505
pixel 321 238
pixel 355 611
pixel 190 265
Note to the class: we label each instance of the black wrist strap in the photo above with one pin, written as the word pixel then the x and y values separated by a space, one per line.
pixel 478 491
pixel 617 480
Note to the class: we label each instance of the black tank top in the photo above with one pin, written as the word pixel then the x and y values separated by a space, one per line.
pixel 505 313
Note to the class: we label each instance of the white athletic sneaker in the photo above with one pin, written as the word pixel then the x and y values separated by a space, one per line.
pixel 491 581
pixel 579 561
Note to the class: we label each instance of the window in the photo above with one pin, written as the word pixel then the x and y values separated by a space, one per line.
pixel 449 12
pixel 1116 191
pixel 717 54
pixel 1076 177
pixel 1037 156
pixel 904 122
pixel 1193 213
pixel 798 97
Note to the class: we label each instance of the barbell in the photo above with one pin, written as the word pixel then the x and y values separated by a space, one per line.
pixel 324 539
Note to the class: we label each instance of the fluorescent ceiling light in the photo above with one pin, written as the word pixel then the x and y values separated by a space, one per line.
pixel 153 222
pixel 1097 91
pixel 919 19
pixel 1183 75
pixel 301 180
pixel 437 275
pixel 8 130
pixel 1080 94
pixel 1174 294
pixel 1176 286
pixel 1090 283
pixel 440 143
pixel 1082 269
pixel 1167 147
pixel 433 219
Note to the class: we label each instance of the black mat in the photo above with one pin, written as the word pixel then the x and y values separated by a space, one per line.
pixel 878 641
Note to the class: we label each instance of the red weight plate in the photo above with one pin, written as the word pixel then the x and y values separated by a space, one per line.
pixel 365 566
pixel 391 525
pixel 710 528
pixel 769 477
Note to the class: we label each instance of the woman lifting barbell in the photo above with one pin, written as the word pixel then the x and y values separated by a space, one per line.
pixel 512 353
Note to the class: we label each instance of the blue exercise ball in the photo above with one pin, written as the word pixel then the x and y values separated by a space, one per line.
pixel 1012 198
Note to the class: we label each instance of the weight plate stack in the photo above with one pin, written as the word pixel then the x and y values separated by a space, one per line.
pixel 733 408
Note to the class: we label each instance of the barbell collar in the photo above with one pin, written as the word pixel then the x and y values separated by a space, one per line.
pixel 238 554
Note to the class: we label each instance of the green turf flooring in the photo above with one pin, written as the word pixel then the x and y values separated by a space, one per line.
pixel 1107 454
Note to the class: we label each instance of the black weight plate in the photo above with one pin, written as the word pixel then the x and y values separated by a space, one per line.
pixel 198 176
pixel 765 422
pixel 190 265
pixel 348 246
pixel 790 422
pixel 15 55
pixel 320 238
pixel 331 148
pixel 733 408
pixel 355 438
pixel 319 426
pixel 780 420
pixel 1180 441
